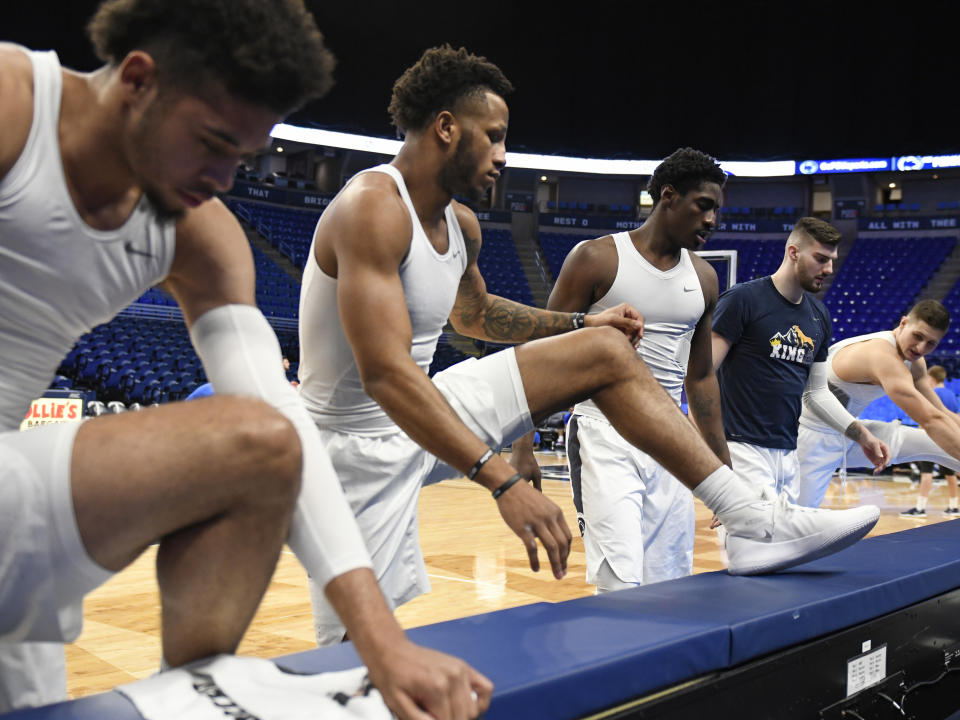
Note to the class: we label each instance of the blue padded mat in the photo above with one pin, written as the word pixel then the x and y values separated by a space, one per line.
pixel 567 659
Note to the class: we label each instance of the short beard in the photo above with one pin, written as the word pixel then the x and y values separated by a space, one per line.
pixel 162 211
pixel 456 177
pixel 810 286
pixel 144 142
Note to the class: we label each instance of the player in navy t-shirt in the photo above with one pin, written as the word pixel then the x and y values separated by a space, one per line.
pixel 770 340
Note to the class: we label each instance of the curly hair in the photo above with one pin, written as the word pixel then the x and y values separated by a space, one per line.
pixel 685 169
pixel 266 52
pixel 439 80
pixel 933 313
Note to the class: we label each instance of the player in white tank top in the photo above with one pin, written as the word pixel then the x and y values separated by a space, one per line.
pixel 636 519
pixel 451 110
pixel 863 368
pixel 330 379
pixel 78 155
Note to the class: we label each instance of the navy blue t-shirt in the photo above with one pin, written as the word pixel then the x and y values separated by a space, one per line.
pixel 773 343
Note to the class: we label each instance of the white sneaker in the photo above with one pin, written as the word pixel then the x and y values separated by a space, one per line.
pixel 774 534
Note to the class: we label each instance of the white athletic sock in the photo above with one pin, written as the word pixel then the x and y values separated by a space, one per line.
pixel 921 503
pixel 953 503
pixel 724 492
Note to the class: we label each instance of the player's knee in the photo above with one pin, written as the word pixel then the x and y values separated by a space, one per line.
pixel 612 351
pixel 269 446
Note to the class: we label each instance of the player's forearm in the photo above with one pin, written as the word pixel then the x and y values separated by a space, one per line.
pixel 954 418
pixel 523 444
pixel 703 403
pixel 362 609
pixel 506 321
pixel 854 431
pixel 944 433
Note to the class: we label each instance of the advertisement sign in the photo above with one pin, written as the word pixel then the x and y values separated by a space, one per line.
pixel 49 410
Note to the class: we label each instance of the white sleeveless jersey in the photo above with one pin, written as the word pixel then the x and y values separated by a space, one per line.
pixel 854 396
pixel 329 379
pixel 59 277
pixel 672 304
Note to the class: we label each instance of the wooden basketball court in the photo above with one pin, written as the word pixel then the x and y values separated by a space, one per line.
pixel 475 565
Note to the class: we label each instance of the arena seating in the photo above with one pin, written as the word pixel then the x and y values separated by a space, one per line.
pixel 880 279
pixel 140 360
pixel 278 295
pixel 785 213
pixel 290 231
pixel 951 341
pixel 755 258
pixel 500 267
pixel 556 247
pixel 135 360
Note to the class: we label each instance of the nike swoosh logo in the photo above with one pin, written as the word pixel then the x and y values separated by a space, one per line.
pixel 128 246
pixel 686 289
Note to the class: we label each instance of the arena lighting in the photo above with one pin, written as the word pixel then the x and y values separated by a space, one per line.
pixel 328 138
pixel 557 163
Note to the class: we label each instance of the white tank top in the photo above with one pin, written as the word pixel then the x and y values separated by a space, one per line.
pixel 854 396
pixel 329 379
pixel 59 277
pixel 672 304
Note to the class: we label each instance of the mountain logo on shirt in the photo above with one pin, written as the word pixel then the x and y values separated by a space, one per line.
pixel 792 346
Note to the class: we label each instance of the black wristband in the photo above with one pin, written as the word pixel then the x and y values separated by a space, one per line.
pixel 578 320
pixel 507 485
pixel 480 463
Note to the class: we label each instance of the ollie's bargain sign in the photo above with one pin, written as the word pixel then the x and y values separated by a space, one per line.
pixel 48 410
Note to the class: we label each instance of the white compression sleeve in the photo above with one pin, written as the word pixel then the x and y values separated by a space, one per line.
pixel 823 403
pixel 241 356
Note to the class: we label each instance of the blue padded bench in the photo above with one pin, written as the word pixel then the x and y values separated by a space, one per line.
pixel 569 659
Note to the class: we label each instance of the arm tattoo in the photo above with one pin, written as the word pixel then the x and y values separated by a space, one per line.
pixel 511 321
pixel 472 245
pixel 499 319
pixel 854 431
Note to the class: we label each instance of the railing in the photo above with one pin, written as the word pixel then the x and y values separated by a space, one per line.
pixel 171 314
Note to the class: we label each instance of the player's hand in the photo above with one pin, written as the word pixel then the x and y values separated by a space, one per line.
pixel 624 317
pixel 525 463
pixel 875 449
pixel 715 523
pixel 533 516
pixel 419 684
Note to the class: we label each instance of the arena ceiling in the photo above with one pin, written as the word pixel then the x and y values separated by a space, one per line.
pixel 747 80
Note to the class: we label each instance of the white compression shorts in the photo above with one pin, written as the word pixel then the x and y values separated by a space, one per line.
pixel 382 476
pixel 45 570
pixel 821 453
